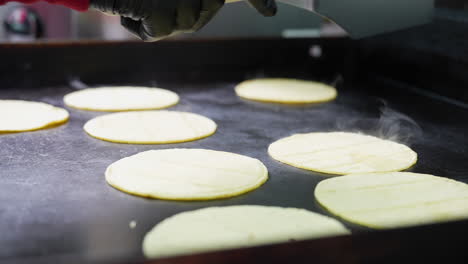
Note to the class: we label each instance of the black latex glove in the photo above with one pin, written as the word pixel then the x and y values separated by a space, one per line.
pixel 153 20
pixel 264 7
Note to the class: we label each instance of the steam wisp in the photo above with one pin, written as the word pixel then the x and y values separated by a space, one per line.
pixel 391 125
pixel 77 84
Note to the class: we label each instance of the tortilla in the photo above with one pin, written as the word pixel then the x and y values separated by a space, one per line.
pixel 19 116
pixel 219 228
pixel 285 91
pixel 125 98
pixel 186 174
pixel 150 127
pixel 391 200
pixel 342 153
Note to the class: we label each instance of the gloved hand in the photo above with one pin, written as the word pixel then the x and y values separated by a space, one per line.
pixel 153 20
pixel 264 7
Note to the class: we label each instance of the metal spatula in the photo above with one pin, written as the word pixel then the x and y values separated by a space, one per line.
pixel 363 18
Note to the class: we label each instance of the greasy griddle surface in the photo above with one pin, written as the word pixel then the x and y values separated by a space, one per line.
pixel 55 203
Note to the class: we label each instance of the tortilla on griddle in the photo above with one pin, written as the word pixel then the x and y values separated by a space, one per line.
pixel 124 98
pixel 150 127
pixel 391 200
pixel 285 91
pixel 186 174
pixel 18 116
pixel 342 153
pixel 218 228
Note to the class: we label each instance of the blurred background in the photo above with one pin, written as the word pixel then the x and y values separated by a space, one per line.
pixel 49 22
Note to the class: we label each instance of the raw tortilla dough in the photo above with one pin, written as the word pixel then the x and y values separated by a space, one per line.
pixel 218 228
pixel 17 115
pixel 121 98
pixel 286 91
pixel 342 153
pixel 186 174
pixel 150 127
pixel 390 200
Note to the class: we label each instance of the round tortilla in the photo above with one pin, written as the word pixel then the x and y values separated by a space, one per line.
pixel 18 116
pixel 391 200
pixel 219 228
pixel 125 98
pixel 285 91
pixel 150 127
pixel 186 174
pixel 342 153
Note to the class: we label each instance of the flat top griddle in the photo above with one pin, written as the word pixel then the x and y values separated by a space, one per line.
pixel 55 206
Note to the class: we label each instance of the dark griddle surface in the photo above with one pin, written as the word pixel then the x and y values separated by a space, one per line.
pixel 55 203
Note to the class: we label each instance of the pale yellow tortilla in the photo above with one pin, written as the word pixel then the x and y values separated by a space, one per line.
pixel 150 127
pixel 342 153
pixel 124 98
pixel 285 91
pixel 219 228
pixel 18 116
pixel 186 174
pixel 391 200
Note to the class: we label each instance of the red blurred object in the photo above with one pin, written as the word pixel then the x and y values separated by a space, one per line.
pixel 57 20
pixel 80 5
pixel 25 22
